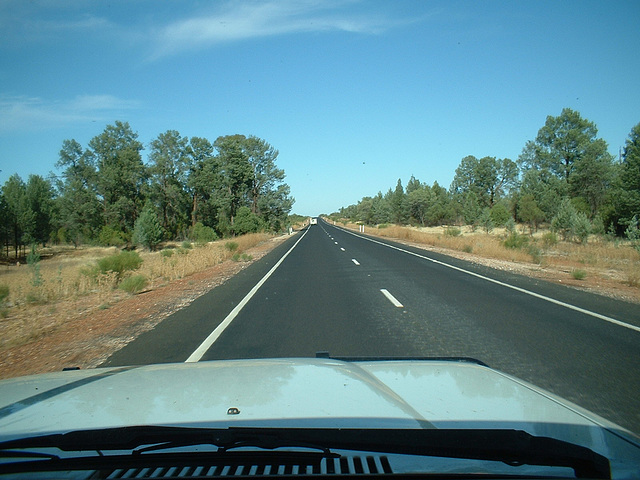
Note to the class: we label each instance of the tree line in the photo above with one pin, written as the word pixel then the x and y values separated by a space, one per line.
pixel 564 177
pixel 105 193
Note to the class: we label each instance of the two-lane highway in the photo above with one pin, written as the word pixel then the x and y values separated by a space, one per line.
pixel 330 289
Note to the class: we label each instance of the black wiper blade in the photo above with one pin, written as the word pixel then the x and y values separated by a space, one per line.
pixel 513 447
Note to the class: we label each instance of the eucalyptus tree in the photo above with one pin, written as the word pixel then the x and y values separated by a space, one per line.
pixel 202 182
pixel 168 170
pixel 236 173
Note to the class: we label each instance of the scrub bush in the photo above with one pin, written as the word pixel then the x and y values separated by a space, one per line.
pixel 202 234
pixel 231 246
pixel 120 263
pixel 133 284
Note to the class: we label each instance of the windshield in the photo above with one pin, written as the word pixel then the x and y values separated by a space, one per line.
pixel 183 183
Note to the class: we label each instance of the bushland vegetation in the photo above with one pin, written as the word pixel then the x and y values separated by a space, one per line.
pixel 565 179
pixel 29 302
pixel 105 194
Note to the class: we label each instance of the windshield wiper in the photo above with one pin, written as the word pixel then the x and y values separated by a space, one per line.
pixel 513 447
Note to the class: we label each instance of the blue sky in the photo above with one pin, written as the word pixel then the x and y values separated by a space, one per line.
pixel 353 94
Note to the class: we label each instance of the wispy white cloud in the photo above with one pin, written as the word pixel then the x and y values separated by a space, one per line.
pixel 19 113
pixel 244 20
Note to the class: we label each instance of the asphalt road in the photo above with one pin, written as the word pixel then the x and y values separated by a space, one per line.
pixel 327 295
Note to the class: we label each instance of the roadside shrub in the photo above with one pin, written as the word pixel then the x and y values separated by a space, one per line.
pixel 597 226
pixel 383 225
pixel 187 245
pixel 110 237
pixel 133 284
pixel 467 249
pixel 167 252
pixel 244 257
pixel 4 293
pixel 453 231
pixel 231 246
pixel 536 254
pixel 515 241
pixel 33 260
pixel 147 230
pixel 485 221
pixel 633 233
pixel 565 220
pixel 247 222
pixel 499 214
pixel 578 274
pixel 549 239
pixel 582 227
pixel 202 234
pixel 120 263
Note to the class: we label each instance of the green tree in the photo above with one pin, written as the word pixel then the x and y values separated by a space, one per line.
pixel 419 201
pixel 489 178
pixel 121 174
pixel 442 210
pixel 561 142
pixel 168 171
pixel 247 222
pixel 529 212
pixel 413 184
pixel 566 148
pixel 20 219
pixel 148 231
pixel 500 214
pixel 40 198
pixel 628 201
pixel 236 174
pixel 546 190
pixel 80 212
pixel 485 221
pixel 266 175
pixel 275 205
pixel 565 220
pixel 592 176
pixel 203 180
pixel 398 203
pixel 471 208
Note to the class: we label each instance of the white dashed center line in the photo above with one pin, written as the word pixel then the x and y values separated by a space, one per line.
pixel 355 261
pixel 391 298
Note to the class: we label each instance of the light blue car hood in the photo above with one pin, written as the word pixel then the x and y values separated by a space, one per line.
pixel 302 393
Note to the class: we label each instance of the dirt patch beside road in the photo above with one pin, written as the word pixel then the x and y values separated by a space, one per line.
pixel 94 330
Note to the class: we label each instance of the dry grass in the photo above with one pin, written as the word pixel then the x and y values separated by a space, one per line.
pixel 616 261
pixel 67 291
pixel 65 275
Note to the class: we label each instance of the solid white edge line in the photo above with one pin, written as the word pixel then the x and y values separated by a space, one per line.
pixel 391 298
pixel 213 336
pixel 498 282
pixel 355 261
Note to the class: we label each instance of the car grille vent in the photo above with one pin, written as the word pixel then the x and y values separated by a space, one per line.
pixel 353 465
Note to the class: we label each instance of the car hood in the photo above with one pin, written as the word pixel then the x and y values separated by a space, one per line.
pixel 300 393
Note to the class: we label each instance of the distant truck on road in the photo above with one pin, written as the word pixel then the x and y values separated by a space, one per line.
pixel 313 221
